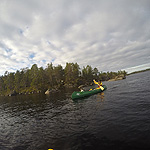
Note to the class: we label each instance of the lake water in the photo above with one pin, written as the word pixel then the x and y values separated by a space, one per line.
pixel 119 118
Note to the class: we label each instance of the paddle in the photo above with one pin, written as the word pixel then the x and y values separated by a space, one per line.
pixel 101 88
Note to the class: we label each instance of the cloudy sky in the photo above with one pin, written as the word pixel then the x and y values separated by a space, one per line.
pixel 111 35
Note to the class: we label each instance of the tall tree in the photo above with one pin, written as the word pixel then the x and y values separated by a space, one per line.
pixel 2 85
pixel 49 75
pixel 34 76
pixel 25 78
pixel 87 73
pixel 71 73
pixel 58 74
pixel 42 79
pixel 96 74
pixel 17 80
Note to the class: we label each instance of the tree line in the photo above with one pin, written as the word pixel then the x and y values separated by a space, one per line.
pixel 139 71
pixel 52 77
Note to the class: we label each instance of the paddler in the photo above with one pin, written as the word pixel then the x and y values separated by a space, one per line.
pixel 99 83
pixel 81 88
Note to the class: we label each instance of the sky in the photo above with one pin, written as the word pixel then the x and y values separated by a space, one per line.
pixel 110 35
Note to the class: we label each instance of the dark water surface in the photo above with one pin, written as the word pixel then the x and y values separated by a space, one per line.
pixel 119 118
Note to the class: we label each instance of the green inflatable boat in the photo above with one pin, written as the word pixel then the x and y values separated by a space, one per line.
pixel 77 95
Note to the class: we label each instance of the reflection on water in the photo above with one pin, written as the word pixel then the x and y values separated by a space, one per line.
pixel 118 118
pixel 100 96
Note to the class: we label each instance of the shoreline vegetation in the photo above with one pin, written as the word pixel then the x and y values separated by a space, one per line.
pixel 52 78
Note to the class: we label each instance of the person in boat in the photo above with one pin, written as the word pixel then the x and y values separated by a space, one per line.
pixel 81 88
pixel 99 83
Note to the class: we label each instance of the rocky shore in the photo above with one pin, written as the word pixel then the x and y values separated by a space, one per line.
pixel 121 77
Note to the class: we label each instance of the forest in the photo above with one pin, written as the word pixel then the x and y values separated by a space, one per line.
pixel 35 80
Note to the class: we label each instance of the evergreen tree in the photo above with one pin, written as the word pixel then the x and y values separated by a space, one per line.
pixel 34 76
pixel 58 75
pixel 42 79
pixel 72 73
pixel 96 74
pixel 17 81
pixel 49 75
pixel 87 74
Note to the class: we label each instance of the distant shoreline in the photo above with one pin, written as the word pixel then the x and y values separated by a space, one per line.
pixel 139 71
pixel 124 77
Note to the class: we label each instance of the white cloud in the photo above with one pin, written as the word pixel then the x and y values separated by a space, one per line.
pixel 110 35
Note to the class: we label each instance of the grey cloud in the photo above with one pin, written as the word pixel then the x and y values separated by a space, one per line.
pixel 110 35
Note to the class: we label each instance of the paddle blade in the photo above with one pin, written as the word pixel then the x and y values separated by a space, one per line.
pixel 101 88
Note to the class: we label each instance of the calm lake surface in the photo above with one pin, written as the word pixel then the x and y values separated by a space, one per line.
pixel 119 118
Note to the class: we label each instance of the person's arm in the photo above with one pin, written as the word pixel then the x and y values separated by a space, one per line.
pixel 95 82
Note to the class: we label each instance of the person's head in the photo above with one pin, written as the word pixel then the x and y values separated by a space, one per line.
pixel 99 81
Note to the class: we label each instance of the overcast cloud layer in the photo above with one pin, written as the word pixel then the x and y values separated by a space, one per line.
pixel 108 34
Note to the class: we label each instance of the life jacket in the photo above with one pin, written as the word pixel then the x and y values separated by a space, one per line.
pixel 99 84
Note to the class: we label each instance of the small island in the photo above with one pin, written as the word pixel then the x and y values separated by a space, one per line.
pixel 52 78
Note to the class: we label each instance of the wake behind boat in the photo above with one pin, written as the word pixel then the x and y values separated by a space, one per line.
pixel 79 94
